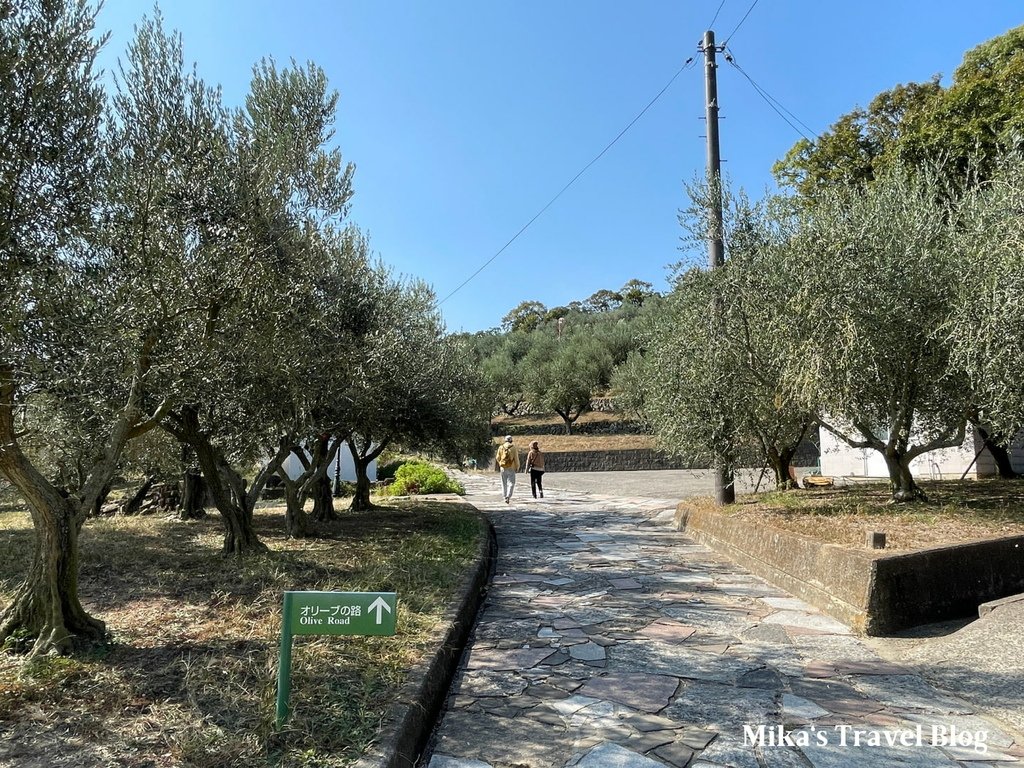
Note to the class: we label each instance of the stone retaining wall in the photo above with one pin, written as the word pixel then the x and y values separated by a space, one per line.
pixel 601 461
pixel 610 461
pixel 872 593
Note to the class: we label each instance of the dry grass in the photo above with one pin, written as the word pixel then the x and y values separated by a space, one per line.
pixel 562 443
pixel 189 677
pixel 557 443
pixel 957 512
pixel 590 417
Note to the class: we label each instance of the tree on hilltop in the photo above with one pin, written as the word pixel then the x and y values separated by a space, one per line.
pixel 526 316
pixel 961 130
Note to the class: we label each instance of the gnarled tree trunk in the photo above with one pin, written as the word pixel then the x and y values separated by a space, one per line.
pixel 779 456
pixel 46 605
pixel 225 484
pixel 364 452
pixel 134 504
pixel 323 500
pixel 193 496
pixel 997 450
pixel 297 522
pixel 901 479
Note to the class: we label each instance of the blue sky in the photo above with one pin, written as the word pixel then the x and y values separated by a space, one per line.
pixel 464 118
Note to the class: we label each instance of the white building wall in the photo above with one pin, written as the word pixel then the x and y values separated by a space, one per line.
pixel 840 460
pixel 348 468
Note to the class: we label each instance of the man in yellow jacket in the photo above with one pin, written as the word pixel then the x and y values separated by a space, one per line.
pixel 508 464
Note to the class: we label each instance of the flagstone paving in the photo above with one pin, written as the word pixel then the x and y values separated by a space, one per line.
pixel 609 639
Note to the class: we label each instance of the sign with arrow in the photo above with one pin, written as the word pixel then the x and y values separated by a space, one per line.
pixel 329 613
pixel 340 613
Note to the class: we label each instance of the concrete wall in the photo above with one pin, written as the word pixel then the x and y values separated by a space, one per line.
pixel 642 459
pixel 827 576
pixel 945 582
pixel 600 461
pixel 868 591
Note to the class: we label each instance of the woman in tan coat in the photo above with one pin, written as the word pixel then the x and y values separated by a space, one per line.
pixel 535 466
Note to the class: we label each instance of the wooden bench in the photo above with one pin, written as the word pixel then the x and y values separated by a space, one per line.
pixel 817 481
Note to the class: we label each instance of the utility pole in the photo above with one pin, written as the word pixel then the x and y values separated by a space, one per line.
pixel 716 248
pixel 725 488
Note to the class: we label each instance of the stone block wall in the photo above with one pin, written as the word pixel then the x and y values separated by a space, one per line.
pixel 609 461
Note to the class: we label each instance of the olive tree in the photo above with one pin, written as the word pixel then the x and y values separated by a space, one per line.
pixel 562 374
pixel 709 372
pixel 326 354
pixel 259 263
pixel 503 371
pixel 85 331
pixel 414 385
pixel 877 270
pixel 987 323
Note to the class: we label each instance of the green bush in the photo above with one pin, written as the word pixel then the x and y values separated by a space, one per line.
pixel 421 477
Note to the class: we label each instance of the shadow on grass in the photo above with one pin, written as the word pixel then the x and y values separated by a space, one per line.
pixel 126 560
pixel 998 500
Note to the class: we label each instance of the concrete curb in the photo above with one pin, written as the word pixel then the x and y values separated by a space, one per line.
pixel 986 608
pixel 410 721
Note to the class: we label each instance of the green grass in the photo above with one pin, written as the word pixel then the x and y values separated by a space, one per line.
pixel 189 675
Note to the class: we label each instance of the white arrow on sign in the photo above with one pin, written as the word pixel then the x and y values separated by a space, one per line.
pixel 379 606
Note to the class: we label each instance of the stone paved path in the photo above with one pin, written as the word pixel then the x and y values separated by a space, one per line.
pixel 608 639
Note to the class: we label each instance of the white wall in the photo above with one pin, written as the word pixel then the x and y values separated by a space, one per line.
pixel 348 468
pixel 840 460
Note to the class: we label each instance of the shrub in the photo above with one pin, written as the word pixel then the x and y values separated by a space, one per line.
pixel 421 477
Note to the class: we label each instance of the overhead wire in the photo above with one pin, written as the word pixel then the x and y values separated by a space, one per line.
pixel 736 28
pixel 686 65
pixel 715 18
pixel 774 103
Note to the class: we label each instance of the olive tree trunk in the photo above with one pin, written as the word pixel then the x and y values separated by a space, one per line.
pixel 779 455
pixel 996 447
pixel 297 522
pixel 901 479
pixel 134 504
pixel 364 452
pixel 312 482
pixel 323 500
pixel 225 484
pixel 46 605
pixel 193 496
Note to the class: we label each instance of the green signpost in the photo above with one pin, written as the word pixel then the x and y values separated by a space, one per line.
pixel 328 613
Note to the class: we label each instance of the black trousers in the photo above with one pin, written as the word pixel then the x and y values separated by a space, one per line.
pixel 535 483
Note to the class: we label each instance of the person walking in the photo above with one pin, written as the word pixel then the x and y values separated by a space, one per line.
pixel 508 464
pixel 535 466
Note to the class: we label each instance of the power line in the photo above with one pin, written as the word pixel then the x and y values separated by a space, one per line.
pixel 774 103
pixel 686 65
pixel 712 24
pixel 736 28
